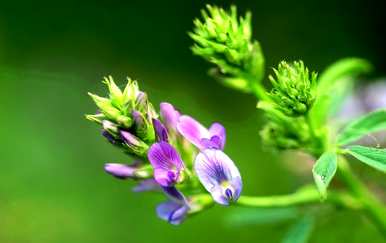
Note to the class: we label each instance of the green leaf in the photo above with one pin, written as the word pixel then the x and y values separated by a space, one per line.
pixel 301 231
pixel 323 172
pixel 343 68
pixel 337 79
pixel 372 122
pixel 373 157
pixel 255 216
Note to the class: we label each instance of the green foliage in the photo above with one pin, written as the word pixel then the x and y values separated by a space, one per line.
pixel 334 84
pixel 373 157
pixel 372 122
pixel 293 88
pixel 323 172
pixel 225 39
pixel 300 232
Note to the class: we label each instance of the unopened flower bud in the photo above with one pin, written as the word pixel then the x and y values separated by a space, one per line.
pixel 123 171
pixel 112 128
pixel 293 88
pixel 143 127
pixel 224 39
pixel 134 144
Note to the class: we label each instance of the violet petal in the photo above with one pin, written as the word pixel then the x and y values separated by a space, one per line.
pixel 166 162
pixel 219 175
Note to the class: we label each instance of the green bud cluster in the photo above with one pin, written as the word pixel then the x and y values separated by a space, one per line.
pixel 226 41
pixel 293 88
pixel 282 131
pixel 125 110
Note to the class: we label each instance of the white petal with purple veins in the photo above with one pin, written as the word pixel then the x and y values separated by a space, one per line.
pixel 219 175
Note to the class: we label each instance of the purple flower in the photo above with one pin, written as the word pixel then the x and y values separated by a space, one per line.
pixel 169 116
pixel 121 171
pixel 219 175
pixel 166 162
pixel 201 137
pixel 147 185
pixel 160 131
pixel 176 209
pixel 374 95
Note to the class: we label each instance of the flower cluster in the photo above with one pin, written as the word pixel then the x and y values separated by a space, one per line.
pixel 293 88
pixel 174 153
pixel 226 41
pixel 291 98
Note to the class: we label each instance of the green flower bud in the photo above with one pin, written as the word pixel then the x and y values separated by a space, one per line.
pixel 293 88
pixel 127 110
pixel 112 128
pixel 225 39
pixel 98 118
pixel 276 136
pixel 134 144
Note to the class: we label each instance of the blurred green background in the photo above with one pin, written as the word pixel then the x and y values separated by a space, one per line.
pixel 52 186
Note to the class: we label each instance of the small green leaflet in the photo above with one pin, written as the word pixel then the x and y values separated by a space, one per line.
pixel 343 68
pixel 323 171
pixel 336 79
pixel 373 157
pixel 300 232
pixel 372 122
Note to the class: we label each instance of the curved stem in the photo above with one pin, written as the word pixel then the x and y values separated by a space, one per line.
pixel 306 195
pixel 372 206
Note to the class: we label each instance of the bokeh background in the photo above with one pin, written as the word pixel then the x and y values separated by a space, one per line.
pixel 52 186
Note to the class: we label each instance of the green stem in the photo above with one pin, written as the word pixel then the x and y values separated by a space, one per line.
pixel 257 88
pixel 372 206
pixel 306 195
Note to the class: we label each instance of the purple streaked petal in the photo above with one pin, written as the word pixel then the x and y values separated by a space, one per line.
pixel 160 131
pixel 172 211
pixel 214 142
pixel 174 194
pixel 169 115
pixel 146 185
pixel 120 171
pixel 218 134
pixel 192 130
pixel 166 162
pixel 219 175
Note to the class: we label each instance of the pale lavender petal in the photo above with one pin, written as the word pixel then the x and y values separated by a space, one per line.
pixel 172 212
pixel 129 138
pixel 219 175
pixel 146 185
pixel 138 118
pixel 217 134
pixel 166 162
pixel 160 131
pixel 120 171
pixel 374 96
pixel 193 131
pixel 169 115
pixel 352 108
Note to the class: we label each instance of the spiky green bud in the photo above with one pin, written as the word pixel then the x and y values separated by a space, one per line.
pixel 293 88
pixel 225 39
pixel 127 110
